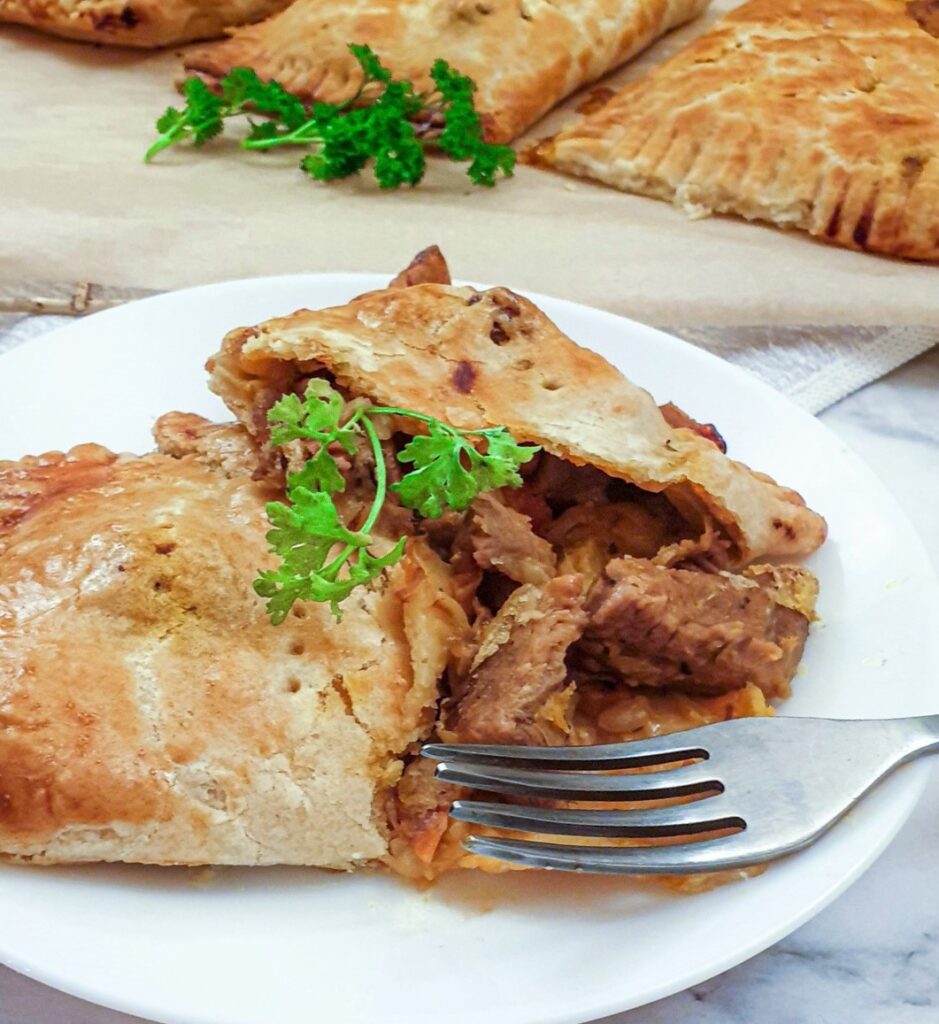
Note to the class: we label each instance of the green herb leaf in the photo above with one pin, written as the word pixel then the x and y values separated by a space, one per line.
pixel 385 123
pixel 199 121
pixel 449 471
pixel 321 473
pixel 439 480
pixel 315 418
pixel 361 571
pixel 369 63
pixel 241 89
pixel 499 466
pixel 304 535
pixel 462 137
pixel 320 558
pixel 305 531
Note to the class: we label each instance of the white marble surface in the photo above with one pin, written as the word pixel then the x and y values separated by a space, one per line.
pixel 873 956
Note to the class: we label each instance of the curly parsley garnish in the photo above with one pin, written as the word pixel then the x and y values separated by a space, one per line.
pixel 386 121
pixel 321 558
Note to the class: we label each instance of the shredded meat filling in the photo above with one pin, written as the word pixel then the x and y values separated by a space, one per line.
pixel 577 608
pixel 502 539
pixel 519 665
pixel 417 809
pixel 708 551
pixel 705 633
pixel 562 484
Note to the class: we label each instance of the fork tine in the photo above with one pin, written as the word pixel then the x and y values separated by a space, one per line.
pixel 683 819
pixel 680 746
pixel 687 858
pixel 683 781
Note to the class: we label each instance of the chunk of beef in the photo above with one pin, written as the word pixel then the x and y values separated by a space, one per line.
pixel 709 550
pixel 519 665
pixel 705 633
pixel 427 267
pixel 418 807
pixel 502 539
pixel 563 484
pixel 529 504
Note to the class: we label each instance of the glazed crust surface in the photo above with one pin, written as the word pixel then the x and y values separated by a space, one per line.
pixel 814 114
pixel 150 713
pixel 144 23
pixel 492 358
pixel 524 55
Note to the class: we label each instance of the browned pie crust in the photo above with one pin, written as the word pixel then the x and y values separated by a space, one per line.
pixel 821 115
pixel 524 55
pixel 144 23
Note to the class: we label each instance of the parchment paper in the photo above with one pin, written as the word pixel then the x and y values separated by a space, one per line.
pixel 77 204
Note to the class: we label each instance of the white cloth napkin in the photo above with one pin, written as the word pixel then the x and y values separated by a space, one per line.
pixel 815 366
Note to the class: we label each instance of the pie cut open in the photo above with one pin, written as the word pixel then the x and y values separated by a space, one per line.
pixel 821 115
pixel 630 583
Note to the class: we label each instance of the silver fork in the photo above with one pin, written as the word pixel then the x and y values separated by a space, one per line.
pixel 779 782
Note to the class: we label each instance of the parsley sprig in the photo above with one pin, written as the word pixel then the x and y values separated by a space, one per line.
pixel 321 558
pixel 386 121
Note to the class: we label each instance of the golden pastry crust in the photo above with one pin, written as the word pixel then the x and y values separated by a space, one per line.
pixel 492 358
pixel 150 713
pixel 524 55
pixel 227 447
pixel 815 114
pixel 144 23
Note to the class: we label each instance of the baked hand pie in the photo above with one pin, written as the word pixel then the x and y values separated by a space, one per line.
pixel 821 115
pixel 492 357
pixel 524 55
pixel 151 712
pixel 143 23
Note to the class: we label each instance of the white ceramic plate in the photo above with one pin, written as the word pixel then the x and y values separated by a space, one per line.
pixel 287 946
